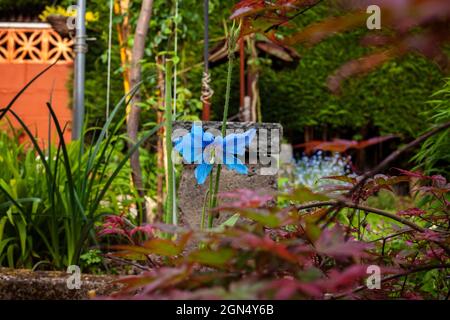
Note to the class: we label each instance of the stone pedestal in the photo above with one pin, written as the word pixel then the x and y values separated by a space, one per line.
pixel 262 175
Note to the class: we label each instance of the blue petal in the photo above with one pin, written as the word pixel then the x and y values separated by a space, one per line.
pixel 176 143
pixel 188 148
pixel 235 164
pixel 192 144
pixel 202 171
pixel 235 143
pixel 200 136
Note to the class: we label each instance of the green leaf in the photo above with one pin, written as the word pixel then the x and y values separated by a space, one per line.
pixel 264 218
pixel 218 258
pixel 3 244
pixel 22 236
pixel 10 255
pixel 161 247
pixel 302 195
pixel 313 231
pixel 230 222
pixel 2 227
pixel 34 201
pixel 429 281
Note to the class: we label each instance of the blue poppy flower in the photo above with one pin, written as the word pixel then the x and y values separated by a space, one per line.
pixel 204 149
pixel 191 145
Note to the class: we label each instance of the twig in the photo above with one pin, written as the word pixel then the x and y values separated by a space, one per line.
pixel 352 205
pixel 394 155
pixel 126 262
pixel 392 235
pixel 292 17
pixel 379 212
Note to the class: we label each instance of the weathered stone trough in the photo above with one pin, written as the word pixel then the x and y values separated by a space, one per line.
pixel 262 175
pixel 18 284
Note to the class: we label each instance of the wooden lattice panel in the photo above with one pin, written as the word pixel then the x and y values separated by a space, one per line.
pixel 34 46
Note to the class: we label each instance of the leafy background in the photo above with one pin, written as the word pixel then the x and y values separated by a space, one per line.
pixel 389 100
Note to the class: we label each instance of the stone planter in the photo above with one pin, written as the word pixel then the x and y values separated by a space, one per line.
pixel 16 284
pixel 262 175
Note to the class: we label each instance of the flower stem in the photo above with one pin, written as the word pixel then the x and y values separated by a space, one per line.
pixel 168 131
pixel 206 204
pixel 232 40
pixel 210 200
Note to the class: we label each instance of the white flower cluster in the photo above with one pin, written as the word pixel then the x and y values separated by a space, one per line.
pixel 309 171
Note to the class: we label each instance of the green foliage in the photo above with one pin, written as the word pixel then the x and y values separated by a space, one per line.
pixel 40 222
pixel 434 156
pixel 384 200
pixel 91 261
pixel 160 40
pixel 96 66
pixel 51 199
pixel 391 98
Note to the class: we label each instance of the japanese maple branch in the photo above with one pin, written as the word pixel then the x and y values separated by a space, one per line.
pixel 379 212
pixel 352 205
pixel 126 262
pixel 293 17
pixel 392 157
pixel 396 154
pixel 393 235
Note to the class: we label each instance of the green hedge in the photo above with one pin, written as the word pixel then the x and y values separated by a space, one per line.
pixel 390 99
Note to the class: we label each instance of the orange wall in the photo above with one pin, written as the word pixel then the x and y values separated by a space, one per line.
pixel 31 106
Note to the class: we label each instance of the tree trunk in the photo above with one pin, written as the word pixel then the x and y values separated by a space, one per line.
pixel 135 78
